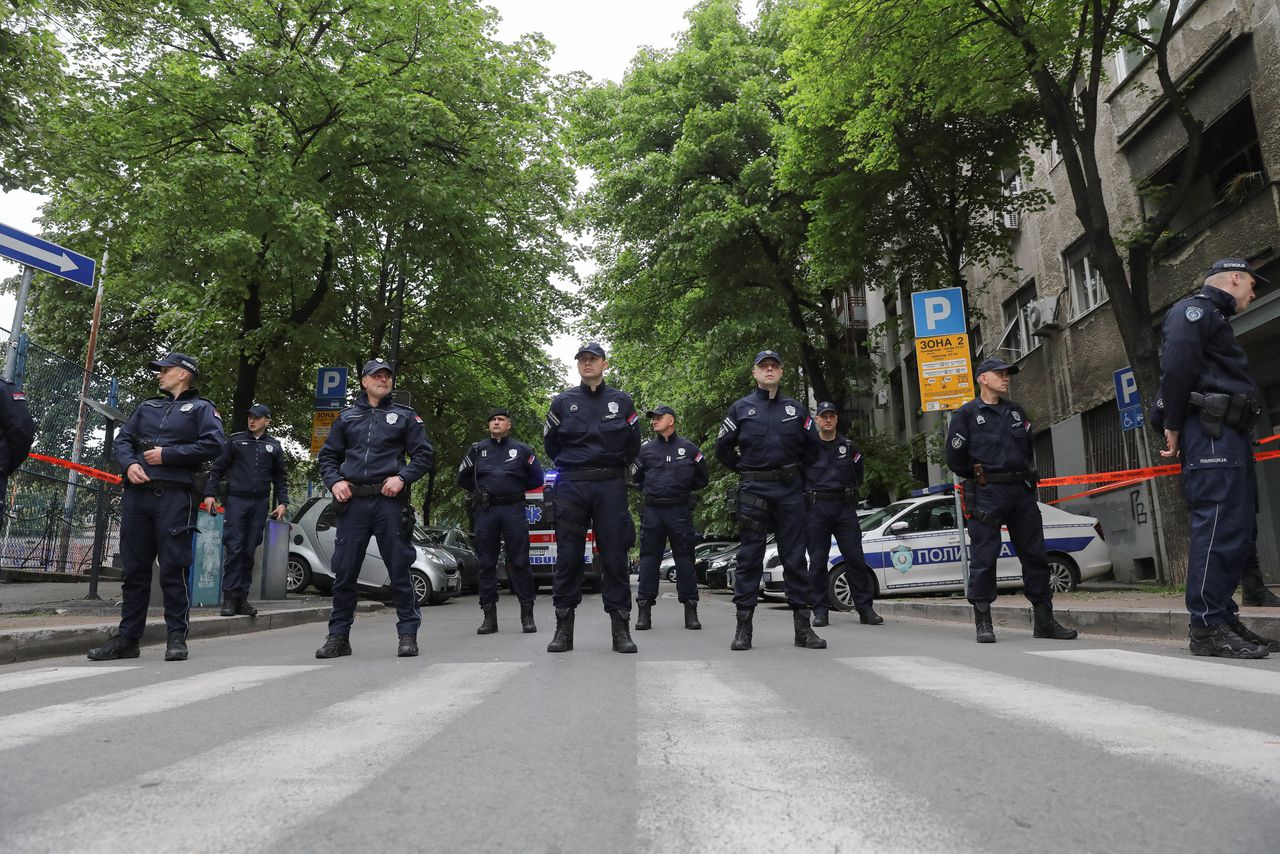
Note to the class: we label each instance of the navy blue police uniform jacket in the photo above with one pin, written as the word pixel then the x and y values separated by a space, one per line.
pixel 502 467
pixel 592 429
pixel 251 466
pixel 996 435
pixel 1201 354
pixel 838 468
pixel 758 434
pixel 188 428
pixel 669 468
pixel 367 444
pixel 17 429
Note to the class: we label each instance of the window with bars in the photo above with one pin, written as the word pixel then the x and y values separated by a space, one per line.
pixel 1045 464
pixel 1106 446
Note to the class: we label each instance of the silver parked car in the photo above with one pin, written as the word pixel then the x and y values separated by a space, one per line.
pixel 434 572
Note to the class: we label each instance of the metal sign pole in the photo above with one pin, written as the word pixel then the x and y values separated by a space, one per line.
pixel 19 311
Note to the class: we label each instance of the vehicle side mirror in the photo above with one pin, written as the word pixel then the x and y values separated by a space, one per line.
pixel 898 527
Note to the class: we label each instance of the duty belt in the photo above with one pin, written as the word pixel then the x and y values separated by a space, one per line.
pixel 158 485
pixel 364 490
pixel 666 501
pixel 785 474
pixel 250 494
pixel 842 495
pixel 506 498
pixel 1012 476
pixel 592 474
pixel 1234 410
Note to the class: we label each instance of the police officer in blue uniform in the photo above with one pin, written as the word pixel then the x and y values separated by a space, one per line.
pixel 989 445
pixel 498 471
pixel 1210 406
pixel 592 435
pixel 769 439
pixel 161 447
pixel 667 471
pixel 363 465
pixel 251 464
pixel 17 432
pixel 831 486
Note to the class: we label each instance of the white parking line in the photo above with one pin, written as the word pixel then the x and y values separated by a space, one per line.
pixel 1216 674
pixel 50 675
pixel 712 743
pixel 1233 755
pixel 358 740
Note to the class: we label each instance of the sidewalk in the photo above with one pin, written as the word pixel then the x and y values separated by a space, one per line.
pixel 42 619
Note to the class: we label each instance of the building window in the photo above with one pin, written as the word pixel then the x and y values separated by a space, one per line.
pixel 1151 24
pixel 1106 446
pixel 1087 291
pixel 1018 340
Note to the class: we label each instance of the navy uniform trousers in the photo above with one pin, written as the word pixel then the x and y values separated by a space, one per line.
pixel 785 514
pixel 157 524
pixel 1014 504
pixel 504 524
pixel 1221 489
pixel 834 518
pixel 244 522
pixel 602 505
pixel 658 525
pixel 359 519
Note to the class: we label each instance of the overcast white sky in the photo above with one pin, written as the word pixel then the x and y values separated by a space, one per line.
pixel 595 36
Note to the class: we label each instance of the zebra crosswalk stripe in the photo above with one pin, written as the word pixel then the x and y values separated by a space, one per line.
pixel 1232 755
pixel 50 675
pixel 1214 673
pixel 708 742
pixel 27 727
pixel 363 737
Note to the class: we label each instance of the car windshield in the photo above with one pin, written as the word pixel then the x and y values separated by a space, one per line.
pixel 429 536
pixel 884 514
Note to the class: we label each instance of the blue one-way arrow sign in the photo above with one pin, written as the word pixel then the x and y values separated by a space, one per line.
pixel 43 255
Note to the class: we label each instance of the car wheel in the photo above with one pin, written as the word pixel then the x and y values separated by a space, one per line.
pixel 1063 575
pixel 839 592
pixel 422 589
pixel 298 575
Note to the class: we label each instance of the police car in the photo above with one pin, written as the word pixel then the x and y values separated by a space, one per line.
pixel 913 546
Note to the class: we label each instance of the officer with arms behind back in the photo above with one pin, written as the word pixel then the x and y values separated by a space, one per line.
pixel 363 464
pixel 251 464
pixel 161 448
pixel 989 444
pixel 831 490
pixel 592 435
pixel 1210 405
pixel 498 471
pixel 667 471
pixel 768 439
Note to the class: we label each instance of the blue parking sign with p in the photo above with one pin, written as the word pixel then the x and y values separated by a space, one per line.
pixel 939 312
pixel 1126 389
pixel 331 382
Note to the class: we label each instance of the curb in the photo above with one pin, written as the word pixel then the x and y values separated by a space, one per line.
pixel 1153 623
pixel 30 644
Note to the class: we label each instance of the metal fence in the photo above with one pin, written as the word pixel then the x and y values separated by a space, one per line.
pixel 51 518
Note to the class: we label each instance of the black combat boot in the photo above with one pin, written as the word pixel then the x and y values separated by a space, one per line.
pixel 244 608
pixel 1253 589
pixel 644 616
pixel 527 625
pixel 176 648
pixel 622 641
pixel 690 616
pixel 1221 642
pixel 820 618
pixel 408 647
pixel 742 637
pixel 228 605
pixel 490 624
pixel 334 646
pixel 1271 644
pixel 116 647
pixel 982 620
pixel 1045 626
pixel 562 640
pixel 869 617
pixel 805 635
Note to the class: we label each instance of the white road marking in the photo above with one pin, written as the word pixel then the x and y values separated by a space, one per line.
pixel 709 747
pixel 49 675
pixel 1187 669
pixel 27 727
pixel 267 784
pixel 1233 755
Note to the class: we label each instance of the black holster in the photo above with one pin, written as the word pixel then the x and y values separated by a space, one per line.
pixel 407 520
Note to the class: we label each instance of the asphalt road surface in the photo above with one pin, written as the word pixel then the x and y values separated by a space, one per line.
pixel 903 737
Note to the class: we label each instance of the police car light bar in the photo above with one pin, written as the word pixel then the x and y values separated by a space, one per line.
pixel 936 489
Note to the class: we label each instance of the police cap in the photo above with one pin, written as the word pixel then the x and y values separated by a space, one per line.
pixel 826 406
pixel 593 348
pixel 768 354
pixel 991 363
pixel 660 410
pixel 259 410
pixel 176 360
pixel 1234 265
pixel 374 365
pixel 499 411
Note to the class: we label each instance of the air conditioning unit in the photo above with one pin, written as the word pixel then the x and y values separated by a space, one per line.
pixel 1010 220
pixel 882 398
pixel 1042 316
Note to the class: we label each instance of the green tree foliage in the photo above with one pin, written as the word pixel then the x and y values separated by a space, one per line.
pixel 30 70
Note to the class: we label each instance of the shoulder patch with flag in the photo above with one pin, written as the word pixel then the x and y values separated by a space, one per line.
pixel 633 418
pixel 529 461
pixel 698 458
pixel 857 456
pixel 18 395
pixel 417 417
pixel 808 422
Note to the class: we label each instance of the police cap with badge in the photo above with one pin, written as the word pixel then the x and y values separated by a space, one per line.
pixel 175 360
pixel 1234 265
pixel 374 365
pixel 992 363
pixel 660 410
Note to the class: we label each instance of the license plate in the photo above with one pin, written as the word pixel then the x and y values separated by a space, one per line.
pixel 455 583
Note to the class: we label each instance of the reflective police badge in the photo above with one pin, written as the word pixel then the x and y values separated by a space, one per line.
pixel 902 558
pixel 1194 313
pixel 187 407
pixel 751 412
pixel 573 407
pixel 844 449
pixel 980 419
pixel 791 410
pixel 680 451
pixel 613 407
pixel 1017 417
pixel 270 448
pixel 392 418
pixel 511 454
